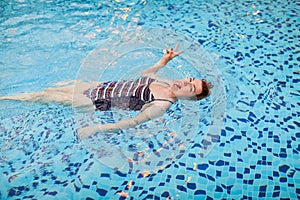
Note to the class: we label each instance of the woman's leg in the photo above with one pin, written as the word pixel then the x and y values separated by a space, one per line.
pixel 25 97
pixel 71 95
pixel 46 96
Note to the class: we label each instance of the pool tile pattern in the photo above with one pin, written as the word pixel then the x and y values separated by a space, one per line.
pixel 256 49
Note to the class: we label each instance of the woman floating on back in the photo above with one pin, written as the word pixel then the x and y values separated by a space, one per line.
pixel 151 95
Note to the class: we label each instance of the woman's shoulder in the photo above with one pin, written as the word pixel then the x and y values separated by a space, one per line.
pixel 157 78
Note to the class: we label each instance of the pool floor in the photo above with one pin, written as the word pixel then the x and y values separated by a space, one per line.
pixel 255 48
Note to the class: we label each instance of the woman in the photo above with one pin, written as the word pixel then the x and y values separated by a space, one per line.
pixel 150 95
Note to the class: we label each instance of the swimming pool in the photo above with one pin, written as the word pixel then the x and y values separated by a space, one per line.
pixel 254 46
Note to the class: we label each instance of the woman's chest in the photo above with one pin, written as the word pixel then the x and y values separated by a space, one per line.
pixel 160 91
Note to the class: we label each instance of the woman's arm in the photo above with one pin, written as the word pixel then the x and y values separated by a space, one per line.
pixel 168 55
pixel 151 112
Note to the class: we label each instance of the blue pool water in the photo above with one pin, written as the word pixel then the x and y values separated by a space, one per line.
pixel 248 49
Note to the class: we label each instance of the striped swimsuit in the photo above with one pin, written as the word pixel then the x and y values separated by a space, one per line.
pixel 130 95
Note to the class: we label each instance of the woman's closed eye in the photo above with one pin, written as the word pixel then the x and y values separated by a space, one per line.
pixel 192 88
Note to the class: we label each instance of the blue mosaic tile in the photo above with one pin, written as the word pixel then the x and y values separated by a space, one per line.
pixel 255 48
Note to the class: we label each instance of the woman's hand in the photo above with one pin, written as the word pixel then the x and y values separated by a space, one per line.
pixel 170 54
pixel 87 131
pixel 101 128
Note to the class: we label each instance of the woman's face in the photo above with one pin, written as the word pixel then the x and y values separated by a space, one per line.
pixel 187 88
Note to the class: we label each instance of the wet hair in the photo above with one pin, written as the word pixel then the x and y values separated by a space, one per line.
pixel 205 90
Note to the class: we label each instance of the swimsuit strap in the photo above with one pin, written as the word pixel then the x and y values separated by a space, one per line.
pixel 166 84
pixel 164 100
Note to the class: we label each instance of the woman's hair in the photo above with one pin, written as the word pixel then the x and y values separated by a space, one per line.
pixel 205 90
